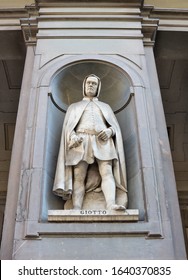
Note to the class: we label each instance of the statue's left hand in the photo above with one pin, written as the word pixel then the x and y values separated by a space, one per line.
pixel 105 134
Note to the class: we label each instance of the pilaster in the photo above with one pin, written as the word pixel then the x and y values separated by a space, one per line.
pixel 16 160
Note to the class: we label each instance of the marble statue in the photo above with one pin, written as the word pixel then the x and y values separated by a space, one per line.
pixel 91 141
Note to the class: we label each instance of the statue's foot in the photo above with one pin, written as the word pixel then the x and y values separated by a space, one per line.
pixel 117 207
pixel 77 208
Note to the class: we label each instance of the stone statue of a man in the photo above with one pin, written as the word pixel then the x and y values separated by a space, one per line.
pixel 91 136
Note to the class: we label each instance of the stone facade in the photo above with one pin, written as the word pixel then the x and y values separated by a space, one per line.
pixel 66 41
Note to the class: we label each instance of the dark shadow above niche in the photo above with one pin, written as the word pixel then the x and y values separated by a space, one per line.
pixel 66 86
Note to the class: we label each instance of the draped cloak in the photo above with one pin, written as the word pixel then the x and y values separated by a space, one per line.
pixel 63 183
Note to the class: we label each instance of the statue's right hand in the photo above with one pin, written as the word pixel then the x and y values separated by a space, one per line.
pixel 75 141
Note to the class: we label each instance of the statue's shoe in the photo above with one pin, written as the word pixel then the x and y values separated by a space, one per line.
pixel 118 207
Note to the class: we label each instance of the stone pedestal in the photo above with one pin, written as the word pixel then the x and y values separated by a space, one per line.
pixel 92 216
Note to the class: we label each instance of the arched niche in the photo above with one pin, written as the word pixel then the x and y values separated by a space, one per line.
pixel 116 90
pixel 66 86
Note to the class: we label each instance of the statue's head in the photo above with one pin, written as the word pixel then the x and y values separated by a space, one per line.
pixel 91 86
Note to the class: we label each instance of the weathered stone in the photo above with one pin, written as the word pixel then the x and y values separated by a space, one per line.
pixel 93 215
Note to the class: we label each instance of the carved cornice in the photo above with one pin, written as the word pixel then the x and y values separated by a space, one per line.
pixel 153 19
pixel 168 19
pixel 13 13
pixel 165 13
pixel 149 30
pixel 132 3
pixel 149 26
pixel 29 28
pixel 23 18
pixel 10 18
pixel 29 25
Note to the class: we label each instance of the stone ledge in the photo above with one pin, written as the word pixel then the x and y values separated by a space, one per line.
pixel 130 215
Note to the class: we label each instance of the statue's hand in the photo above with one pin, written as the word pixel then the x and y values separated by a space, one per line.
pixel 75 141
pixel 105 134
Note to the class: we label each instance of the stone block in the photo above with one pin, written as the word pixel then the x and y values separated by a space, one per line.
pixel 93 215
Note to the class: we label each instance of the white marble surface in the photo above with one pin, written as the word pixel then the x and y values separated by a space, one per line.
pixel 92 215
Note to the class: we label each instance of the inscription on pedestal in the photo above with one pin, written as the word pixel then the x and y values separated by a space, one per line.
pixel 93 212
pixel 93 215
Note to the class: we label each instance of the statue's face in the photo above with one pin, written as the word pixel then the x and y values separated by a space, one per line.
pixel 91 86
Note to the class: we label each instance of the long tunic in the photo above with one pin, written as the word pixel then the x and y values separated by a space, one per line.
pixel 91 123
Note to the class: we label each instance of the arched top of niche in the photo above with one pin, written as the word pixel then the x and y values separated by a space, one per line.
pixel 66 85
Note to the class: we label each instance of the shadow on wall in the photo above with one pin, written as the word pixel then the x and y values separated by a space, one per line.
pixel 66 88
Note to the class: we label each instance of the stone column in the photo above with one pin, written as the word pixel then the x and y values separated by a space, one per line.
pixel 163 157
pixel 16 159
pixel 166 166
